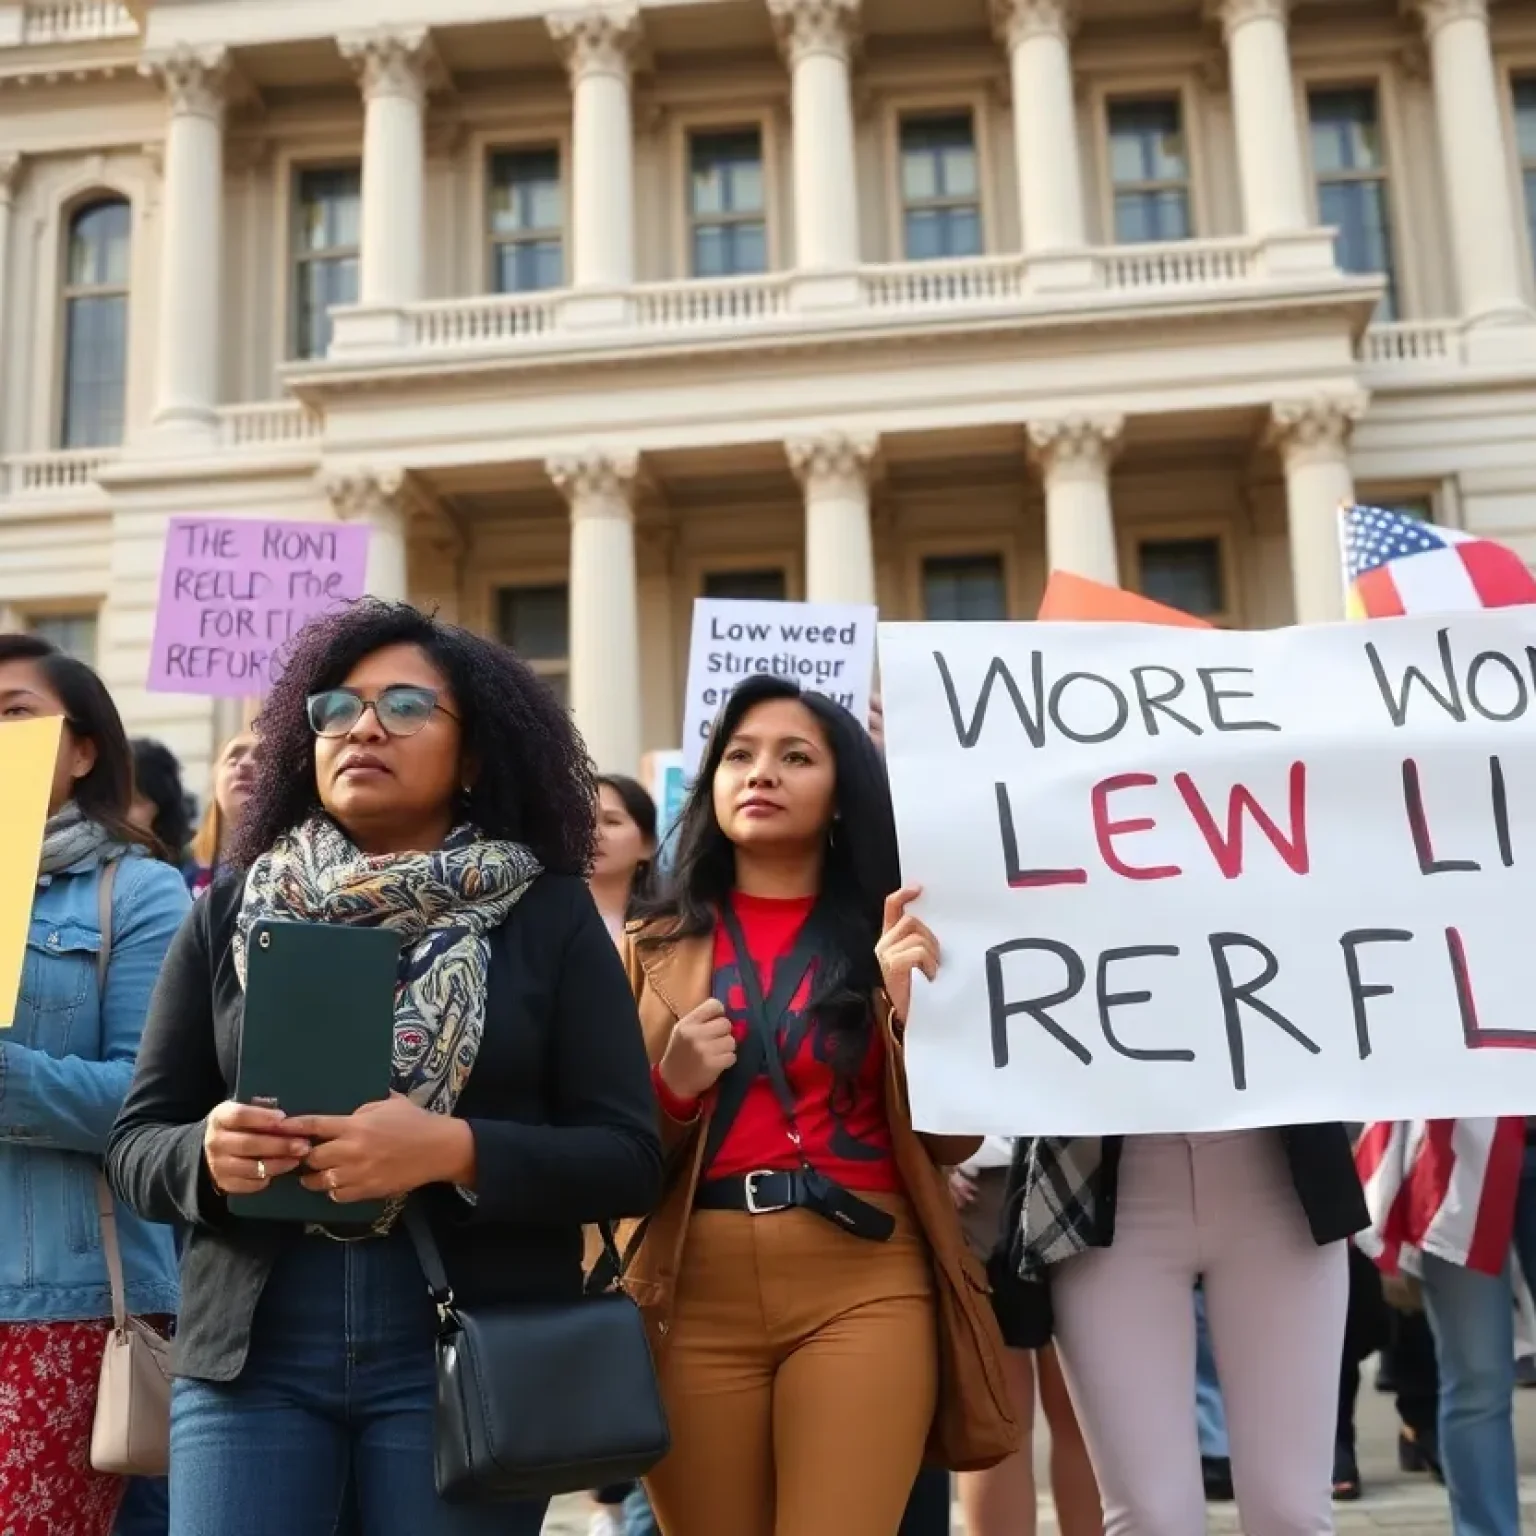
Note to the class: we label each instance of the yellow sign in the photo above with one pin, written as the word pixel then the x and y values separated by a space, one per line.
pixel 28 751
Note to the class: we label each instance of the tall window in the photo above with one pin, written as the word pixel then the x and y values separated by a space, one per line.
pixel 940 187
pixel 536 623
pixel 96 325
pixel 527 219
pixel 964 587
pixel 327 226
pixel 727 210
pixel 749 586
pixel 1149 165
pixel 73 633
pixel 1350 164
pixel 1184 573
pixel 1525 132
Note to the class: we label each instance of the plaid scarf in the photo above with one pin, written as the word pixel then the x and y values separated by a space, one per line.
pixel 1059 1210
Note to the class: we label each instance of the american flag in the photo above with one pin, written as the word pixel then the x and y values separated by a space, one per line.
pixel 1444 1187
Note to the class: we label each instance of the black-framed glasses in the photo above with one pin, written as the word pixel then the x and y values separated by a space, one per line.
pixel 401 710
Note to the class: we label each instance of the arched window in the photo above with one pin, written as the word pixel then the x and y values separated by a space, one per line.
pixel 96 325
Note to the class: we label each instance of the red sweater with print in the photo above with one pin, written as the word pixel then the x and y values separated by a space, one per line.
pixel 842 1124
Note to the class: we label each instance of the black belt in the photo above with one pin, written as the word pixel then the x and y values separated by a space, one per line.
pixel 759 1194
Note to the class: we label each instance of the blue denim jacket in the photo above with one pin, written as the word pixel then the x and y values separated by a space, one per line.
pixel 65 1066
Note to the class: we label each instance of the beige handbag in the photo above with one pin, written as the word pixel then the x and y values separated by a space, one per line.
pixel 131 1434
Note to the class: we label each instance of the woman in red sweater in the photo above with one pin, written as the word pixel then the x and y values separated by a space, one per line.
pixel 803 1275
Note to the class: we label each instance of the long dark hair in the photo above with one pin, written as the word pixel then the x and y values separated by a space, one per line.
pixel 157 776
pixel 641 809
pixel 105 794
pixel 536 784
pixel 861 867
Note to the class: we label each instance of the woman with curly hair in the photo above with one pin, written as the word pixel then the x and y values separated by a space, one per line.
pixel 416 777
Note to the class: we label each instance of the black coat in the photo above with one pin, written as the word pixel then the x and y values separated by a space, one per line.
pixel 560 1104
pixel 1322 1165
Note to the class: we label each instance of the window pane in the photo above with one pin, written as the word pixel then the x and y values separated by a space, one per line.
pixel 322 284
pixel 729 250
pixel 535 621
pixel 73 633
pixel 1184 573
pixel 727 172
pixel 1346 133
pixel 99 239
pixel 525 191
pixel 925 234
pixel 964 587
pixel 1146 141
pixel 1525 117
pixel 529 266
pixel 95 370
pixel 938 157
pixel 747 586
pixel 330 209
pixel 1143 216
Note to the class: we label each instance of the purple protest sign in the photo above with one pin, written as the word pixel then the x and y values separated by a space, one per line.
pixel 233 592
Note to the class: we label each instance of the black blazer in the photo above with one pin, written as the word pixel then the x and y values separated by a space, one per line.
pixel 560 1102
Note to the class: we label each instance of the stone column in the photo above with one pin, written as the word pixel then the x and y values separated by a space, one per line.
pixel 599 46
pixel 605 604
pixel 10 177
pixel 1038 36
pixel 1313 436
pixel 1074 455
pixel 839 543
pixel 818 38
pixel 391 67
pixel 1475 158
pixel 384 499
pixel 1269 148
pixel 191 320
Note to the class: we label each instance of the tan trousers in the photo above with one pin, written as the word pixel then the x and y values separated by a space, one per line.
pixel 800 1376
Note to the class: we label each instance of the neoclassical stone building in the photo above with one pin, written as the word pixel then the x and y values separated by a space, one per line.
pixel 589 309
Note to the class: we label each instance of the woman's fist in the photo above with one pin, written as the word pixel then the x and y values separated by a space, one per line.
pixel 701 1050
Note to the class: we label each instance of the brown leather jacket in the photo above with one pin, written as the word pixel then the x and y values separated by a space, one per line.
pixel 974 1425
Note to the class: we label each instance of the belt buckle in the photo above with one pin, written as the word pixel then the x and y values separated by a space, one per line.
pixel 754 1206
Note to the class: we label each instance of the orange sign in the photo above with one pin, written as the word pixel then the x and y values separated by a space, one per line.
pixel 1069 597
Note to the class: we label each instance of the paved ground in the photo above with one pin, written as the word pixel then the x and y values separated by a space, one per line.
pixel 1396 1503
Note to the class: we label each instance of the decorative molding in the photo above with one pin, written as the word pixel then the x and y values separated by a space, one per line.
pixel 1317 427
pixel 806 27
pixel 1076 444
pixel 375 495
pixel 598 482
pixel 195 80
pixel 1439 13
pixel 391 61
pixel 600 40
pixel 834 463
pixel 445 136
pixel 1233 14
pixel 1017 21
pixel 12 164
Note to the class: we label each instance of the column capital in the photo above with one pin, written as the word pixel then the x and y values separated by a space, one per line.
pixel 1076 445
pixel 598 483
pixel 600 40
pixel 805 27
pixel 1317 427
pixel 1439 13
pixel 381 494
pixel 11 165
pixel 390 61
pixel 195 80
pixel 1233 14
pixel 1016 21
pixel 830 462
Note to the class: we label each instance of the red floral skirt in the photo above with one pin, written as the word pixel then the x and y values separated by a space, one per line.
pixel 48 1377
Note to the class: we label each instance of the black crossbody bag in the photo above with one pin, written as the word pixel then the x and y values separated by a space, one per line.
pixel 815 1192
pixel 542 1399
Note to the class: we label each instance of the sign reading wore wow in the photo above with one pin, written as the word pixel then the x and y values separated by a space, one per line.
pixel 233 592
pixel 1189 880
pixel 826 647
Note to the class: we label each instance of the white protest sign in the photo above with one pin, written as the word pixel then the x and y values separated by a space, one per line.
pixel 1190 880
pixel 827 647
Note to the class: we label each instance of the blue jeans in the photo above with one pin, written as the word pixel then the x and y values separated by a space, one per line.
pixel 1210 1411
pixel 638 1519
pixel 1473 1319
pixel 329 1426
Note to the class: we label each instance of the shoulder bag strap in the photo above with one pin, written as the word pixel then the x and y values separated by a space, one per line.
pixel 106 1210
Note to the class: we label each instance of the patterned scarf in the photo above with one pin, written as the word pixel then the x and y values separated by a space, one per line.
pixel 444 906
pixel 72 838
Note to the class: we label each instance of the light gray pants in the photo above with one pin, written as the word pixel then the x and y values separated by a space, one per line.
pixel 1222 1207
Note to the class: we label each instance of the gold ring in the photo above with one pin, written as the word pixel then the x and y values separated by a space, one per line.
pixel 261 1170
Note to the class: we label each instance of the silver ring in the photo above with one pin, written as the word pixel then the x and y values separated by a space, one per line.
pixel 334 1196
pixel 261 1169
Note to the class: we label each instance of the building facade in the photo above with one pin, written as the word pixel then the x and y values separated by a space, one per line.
pixel 592 309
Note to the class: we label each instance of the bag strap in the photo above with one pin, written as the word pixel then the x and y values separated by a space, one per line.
pixel 106 1208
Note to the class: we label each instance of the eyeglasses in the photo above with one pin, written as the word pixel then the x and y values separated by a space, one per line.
pixel 401 710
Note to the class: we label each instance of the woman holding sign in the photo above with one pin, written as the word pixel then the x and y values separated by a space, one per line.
pixel 420 779
pixel 65 1064
pixel 818 1320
